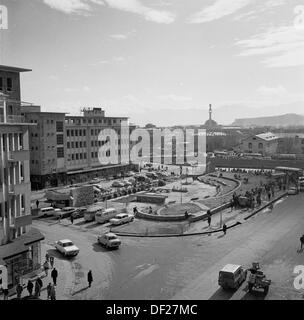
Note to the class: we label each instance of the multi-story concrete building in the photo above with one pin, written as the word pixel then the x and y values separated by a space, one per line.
pixel 19 243
pixel 47 147
pixel 82 145
pixel 64 149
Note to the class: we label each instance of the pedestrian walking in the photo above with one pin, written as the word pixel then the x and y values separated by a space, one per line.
pixel 186 215
pixel 19 290
pixel 5 294
pixel 37 289
pixel 232 204
pixel 224 229
pixel 302 242
pixel 30 287
pixel 72 219
pixel 90 278
pixel 48 290
pixel 53 292
pixel 46 268
pixel 47 257
pixel 52 261
pixel 54 275
pixel 209 221
pixel 37 203
pixel 39 280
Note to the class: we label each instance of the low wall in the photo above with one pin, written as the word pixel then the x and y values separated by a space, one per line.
pixel 256 163
pixel 159 217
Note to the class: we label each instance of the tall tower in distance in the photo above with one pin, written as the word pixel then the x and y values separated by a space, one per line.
pixel 210 124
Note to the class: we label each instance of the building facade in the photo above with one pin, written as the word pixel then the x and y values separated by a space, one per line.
pixel 65 149
pixel 265 144
pixel 19 243
pixel 47 141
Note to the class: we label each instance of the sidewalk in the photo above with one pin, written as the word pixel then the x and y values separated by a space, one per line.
pixel 64 281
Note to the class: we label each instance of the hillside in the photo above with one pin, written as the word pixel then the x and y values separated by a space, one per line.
pixel 286 120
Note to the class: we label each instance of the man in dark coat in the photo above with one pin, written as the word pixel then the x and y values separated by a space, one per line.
pixel 30 287
pixel 19 290
pixel 224 228
pixel 90 278
pixel 54 275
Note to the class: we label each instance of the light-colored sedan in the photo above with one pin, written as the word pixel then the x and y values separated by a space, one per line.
pixel 121 219
pixel 292 191
pixel 117 184
pixel 66 247
pixel 109 240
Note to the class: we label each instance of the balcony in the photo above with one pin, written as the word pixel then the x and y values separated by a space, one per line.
pixel 20 188
pixel 19 155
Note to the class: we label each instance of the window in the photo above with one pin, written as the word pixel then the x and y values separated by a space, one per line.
pixel 84 133
pixel 68 145
pixel 261 145
pixel 80 156
pixel 76 144
pixel 80 144
pixel 77 156
pixel 84 144
pixel 72 133
pixel 9 84
pixel 250 145
pixel 92 132
pixel 76 133
pixel 72 143
pixel 73 157
pixel 84 155
pixel 68 133
pixel 60 152
pixel 1 84
pixel 59 126
pixel 60 139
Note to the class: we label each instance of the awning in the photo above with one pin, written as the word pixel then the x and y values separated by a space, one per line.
pixel 20 245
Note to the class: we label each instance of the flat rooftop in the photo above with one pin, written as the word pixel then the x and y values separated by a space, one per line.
pixel 13 69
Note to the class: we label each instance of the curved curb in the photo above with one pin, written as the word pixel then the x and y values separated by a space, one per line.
pixel 134 235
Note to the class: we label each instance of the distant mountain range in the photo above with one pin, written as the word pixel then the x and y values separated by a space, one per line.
pixel 285 120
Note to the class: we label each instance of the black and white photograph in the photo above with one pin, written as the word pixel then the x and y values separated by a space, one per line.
pixel 153 151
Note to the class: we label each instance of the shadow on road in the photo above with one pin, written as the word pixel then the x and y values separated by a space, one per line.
pixel 254 295
pixel 97 247
pixel 222 294
pixel 80 290
pixel 81 223
pixel 59 256
pixel 91 226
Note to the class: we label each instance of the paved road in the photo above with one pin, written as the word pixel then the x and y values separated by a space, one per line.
pixel 187 268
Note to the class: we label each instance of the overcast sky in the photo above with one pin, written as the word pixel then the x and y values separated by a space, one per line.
pixel 160 61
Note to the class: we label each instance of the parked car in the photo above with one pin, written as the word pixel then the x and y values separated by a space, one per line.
pixel 66 247
pixel 109 240
pixel 105 215
pixel 79 213
pixel 117 184
pixel 126 183
pixel 232 276
pixel 292 191
pixel 65 212
pixel 121 219
pixel 49 211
